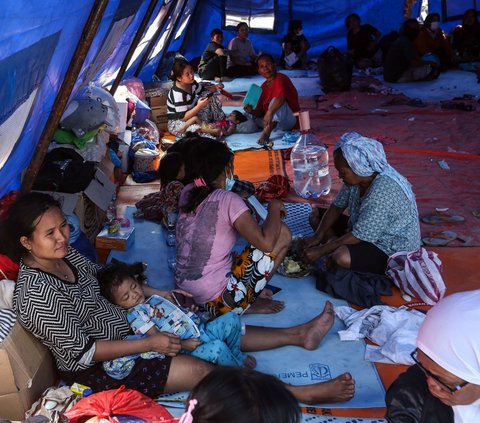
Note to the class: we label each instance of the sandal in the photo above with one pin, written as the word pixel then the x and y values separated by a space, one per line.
pixel 438 219
pixel 465 238
pixel 440 239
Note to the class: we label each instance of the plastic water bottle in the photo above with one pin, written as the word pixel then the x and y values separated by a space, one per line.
pixel 171 238
pixel 111 213
pixel 171 223
pixel 309 158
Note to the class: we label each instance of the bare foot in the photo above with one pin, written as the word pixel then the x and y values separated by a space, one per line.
pixel 250 362
pixel 340 389
pixel 265 306
pixel 317 328
pixel 264 139
pixel 266 293
pixel 190 344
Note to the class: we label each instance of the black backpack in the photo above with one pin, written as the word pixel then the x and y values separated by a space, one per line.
pixel 64 170
pixel 335 70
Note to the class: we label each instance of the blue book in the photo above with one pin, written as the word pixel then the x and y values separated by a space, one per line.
pixel 253 95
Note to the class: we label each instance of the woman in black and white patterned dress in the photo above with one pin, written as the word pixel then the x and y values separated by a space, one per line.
pixel 57 298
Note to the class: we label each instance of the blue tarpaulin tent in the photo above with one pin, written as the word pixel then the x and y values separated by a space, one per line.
pixel 50 49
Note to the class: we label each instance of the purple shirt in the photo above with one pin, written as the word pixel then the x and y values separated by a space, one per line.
pixel 205 239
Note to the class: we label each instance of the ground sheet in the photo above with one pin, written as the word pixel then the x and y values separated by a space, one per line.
pixel 420 137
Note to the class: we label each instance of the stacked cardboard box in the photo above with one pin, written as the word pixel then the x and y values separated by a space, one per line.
pixel 26 370
pixel 158 105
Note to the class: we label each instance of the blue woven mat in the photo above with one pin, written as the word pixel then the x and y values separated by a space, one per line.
pixel 297 218
pixel 291 364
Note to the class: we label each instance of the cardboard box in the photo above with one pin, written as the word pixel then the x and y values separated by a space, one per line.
pixel 156 89
pixel 158 101
pixel 122 112
pixel 121 240
pixel 159 116
pixel 89 205
pixel 100 191
pixel 26 370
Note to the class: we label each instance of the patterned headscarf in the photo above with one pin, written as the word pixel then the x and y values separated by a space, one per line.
pixel 366 156
pixel 449 336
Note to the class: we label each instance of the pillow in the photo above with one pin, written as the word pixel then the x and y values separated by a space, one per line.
pixel 6 293
pixel 247 127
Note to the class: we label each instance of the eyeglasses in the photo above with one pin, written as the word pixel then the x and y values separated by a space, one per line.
pixel 429 374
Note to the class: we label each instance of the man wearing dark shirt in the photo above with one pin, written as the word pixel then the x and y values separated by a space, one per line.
pixel 213 64
pixel 362 42
pixel 403 64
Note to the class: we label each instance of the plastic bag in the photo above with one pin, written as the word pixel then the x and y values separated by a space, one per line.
pixel 121 401
pixel 335 70
pixel 53 403
pixel 418 273
pixel 135 86
pixel 102 96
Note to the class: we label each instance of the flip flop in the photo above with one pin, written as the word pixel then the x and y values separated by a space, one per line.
pixel 438 219
pixel 439 239
pixel 465 238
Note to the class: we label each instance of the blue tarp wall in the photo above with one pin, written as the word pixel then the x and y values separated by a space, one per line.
pixel 38 39
pixel 323 23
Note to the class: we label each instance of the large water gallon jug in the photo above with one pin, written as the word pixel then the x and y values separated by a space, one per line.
pixel 309 159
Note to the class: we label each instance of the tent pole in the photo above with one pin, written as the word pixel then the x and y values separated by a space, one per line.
pixel 153 41
pixel 86 39
pixel 133 46
pixel 170 36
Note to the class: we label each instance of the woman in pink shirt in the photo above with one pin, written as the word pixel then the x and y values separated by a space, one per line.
pixel 211 217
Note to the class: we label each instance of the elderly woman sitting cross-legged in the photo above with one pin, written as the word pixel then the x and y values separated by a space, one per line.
pixel 383 213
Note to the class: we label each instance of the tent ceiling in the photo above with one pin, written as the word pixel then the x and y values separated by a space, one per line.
pixel 39 38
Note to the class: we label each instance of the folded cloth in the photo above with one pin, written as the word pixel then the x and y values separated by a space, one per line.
pixel 290 137
pixel 394 329
pixel 277 186
pixel 359 288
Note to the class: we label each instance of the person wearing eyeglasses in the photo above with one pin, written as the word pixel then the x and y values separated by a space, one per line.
pixel 444 384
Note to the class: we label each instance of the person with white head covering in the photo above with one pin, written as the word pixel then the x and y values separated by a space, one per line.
pixel 447 370
pixel 383 216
